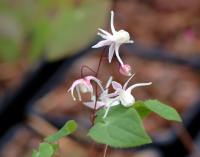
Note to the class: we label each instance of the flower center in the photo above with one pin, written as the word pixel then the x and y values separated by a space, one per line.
pixel 121 36
pixel 85 86
pixel 126 98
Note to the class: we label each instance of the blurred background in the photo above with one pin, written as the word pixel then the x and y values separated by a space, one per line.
pixel 43 45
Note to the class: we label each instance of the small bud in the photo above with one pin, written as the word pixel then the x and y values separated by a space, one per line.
pixel 125 70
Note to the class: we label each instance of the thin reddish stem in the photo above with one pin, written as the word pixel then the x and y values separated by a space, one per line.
pixel 86 67
pixel 96 94
pixel 100 61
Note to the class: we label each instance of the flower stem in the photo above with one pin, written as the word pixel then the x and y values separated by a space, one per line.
pixel 86 67
pixel 105 150
pixel 96 92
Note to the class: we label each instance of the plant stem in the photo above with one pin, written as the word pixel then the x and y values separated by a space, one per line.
pixel 96 92
pixel 86 67
pixel 105 150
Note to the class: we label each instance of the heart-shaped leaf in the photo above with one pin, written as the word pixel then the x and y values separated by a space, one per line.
pixel 121 128
pixel 142 110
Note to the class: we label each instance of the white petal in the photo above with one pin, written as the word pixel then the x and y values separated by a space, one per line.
pixel 78 93
pixel 111 52
pixel 137 85
pixel 84 87
pixel 117 54
pixel 130 41
pixel 109 81
pixel 126 99
pixel 102 43
pixel 103 36
pixel 92 104
pixel 115 103
pixel 126 83
pixel 112 22
pixel 96 80
pixel 116 93
pixel 105 32
pixel 74 84
pixel 92 92
pixel 106 113
pixel 110 105
pixel 116 85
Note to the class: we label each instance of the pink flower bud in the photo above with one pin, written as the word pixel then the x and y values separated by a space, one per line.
pixel 125 70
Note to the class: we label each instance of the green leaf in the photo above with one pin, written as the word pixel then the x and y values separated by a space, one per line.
pixel 162 110
pixel 142 110
pixel 45 150
pixel 35 153
pixel 121 128
pixel 55 146
pixel 66 130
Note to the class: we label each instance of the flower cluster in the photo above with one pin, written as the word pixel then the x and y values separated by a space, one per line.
pixel 122 95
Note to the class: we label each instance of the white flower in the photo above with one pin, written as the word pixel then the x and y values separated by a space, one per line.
pixel 105 99
pixel 84 85
pixel 114 40
pixel 122 95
